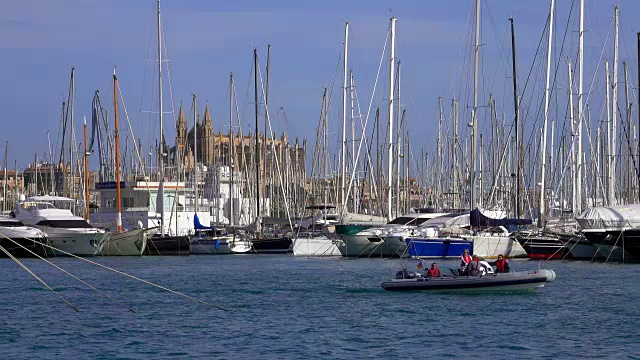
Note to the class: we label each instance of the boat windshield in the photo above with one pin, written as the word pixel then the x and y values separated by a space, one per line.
pixel 68 224
pixel 10 223
pixel 406 220
pixel 403 220
pixel 38 205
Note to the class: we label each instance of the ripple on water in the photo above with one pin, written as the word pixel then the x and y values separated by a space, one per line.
pixel 285 307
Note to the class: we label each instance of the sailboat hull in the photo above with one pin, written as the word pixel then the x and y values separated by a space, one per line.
pixel 437 248
pixel 489 247
pixel 315 246
pixel 127 243
pixel 211 245
pixel 168 245
pixel 272 245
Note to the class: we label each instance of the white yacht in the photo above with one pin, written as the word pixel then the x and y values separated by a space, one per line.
pixel 386 240
pixel 15 237
pixel 66 232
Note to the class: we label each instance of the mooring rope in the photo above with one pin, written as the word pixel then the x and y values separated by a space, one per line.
pixel 133 277
pixel 37 278
pixel 67 272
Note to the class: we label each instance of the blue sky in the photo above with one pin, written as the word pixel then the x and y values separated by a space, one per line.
pixel 41 40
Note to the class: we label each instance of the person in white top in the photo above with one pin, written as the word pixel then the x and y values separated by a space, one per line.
pixel 465 259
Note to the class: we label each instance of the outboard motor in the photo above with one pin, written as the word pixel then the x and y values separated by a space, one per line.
pixel 405 274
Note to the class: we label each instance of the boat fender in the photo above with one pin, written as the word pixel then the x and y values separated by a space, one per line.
pixel 550 274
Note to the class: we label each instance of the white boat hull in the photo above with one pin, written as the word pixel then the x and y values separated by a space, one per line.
pixel 316 246
pixel 211 246
pixel 489 247
pixel 126 243
pixel 361 245
pixel 238 246
pixel 395 245
pixel 81 242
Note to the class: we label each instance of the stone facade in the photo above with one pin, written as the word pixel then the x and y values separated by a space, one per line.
pixel 213 149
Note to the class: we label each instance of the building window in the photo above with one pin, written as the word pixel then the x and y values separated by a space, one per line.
pixel 127 202
pixel 110 203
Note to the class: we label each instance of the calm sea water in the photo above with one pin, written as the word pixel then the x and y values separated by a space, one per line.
pixel 288 307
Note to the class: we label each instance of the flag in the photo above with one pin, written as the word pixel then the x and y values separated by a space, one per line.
pixel 419 265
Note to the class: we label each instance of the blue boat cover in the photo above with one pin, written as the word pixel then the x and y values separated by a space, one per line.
pixel 198 226
pixel 478 219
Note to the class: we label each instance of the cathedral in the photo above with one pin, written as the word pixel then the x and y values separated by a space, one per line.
pixel 213 149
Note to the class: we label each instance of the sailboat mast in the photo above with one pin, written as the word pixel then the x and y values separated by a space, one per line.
pixel 343 173
pixel 515 109
pixel 546 118
pixel 116 146
pixel 628 131
pixel 266 119
pixel 392 63
pixel 257 149
pixel 454 156
pixel 195 151
pixel 160 151
pixel 86 171
pixel 73 135
pixel 399 139
pixel 572 122
pixel 474 119
pixel 638 145
pixel 35 166
pixel 231 149
pixel 440 164
pixel 4 185
pixel 614 113
pixel 608 153
pixel 354 207
pixel 578 179
pixel 52 175
pixel 160 110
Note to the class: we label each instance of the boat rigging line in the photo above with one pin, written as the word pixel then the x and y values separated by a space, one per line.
pixel 67 272
pixel 121 273
pixel 37 277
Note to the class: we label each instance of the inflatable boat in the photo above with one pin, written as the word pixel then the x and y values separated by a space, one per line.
pixel 521 280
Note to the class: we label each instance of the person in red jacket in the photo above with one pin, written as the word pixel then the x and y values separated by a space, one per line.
pixel 502 266
pixel 434 271
pixel 465 259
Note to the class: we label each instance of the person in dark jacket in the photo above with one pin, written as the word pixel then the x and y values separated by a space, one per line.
pixel 476 268
pixel 502 266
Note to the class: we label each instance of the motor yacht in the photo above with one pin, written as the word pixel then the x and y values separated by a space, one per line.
pixel 67 233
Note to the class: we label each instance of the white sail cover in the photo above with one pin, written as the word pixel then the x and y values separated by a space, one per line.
pixel 455 220
pixel 612 217
pixel 353 218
